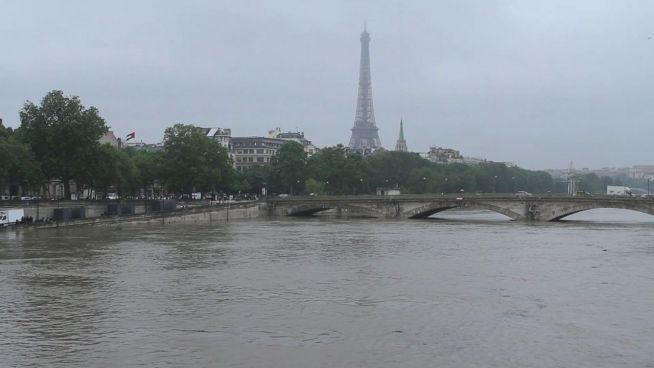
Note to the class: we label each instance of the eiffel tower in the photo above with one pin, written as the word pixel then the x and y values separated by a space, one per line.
pixel 364 133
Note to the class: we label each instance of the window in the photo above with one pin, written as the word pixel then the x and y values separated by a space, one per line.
pixel 259 159
pixel 250 159
pixel 239 151
pixel 260 151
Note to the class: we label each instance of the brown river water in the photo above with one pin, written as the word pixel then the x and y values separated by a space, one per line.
pixel 470 289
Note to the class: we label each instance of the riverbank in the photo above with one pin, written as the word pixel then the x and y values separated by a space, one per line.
pixel 206 213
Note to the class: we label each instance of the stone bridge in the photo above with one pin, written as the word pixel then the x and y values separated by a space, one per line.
pixel 537 208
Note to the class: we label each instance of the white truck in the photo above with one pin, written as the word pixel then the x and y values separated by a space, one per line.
pixel 10 216
pixel 614 190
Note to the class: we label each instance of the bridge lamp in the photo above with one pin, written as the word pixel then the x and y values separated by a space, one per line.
pixel 495 184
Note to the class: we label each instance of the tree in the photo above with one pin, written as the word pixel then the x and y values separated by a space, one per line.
pixel 314 186
pixel 112 170
pixel 252 179
pixel 17 163
pixel 289 166
pixel 342 173
pixel 149 166
pixel 194 162
pixel 63 135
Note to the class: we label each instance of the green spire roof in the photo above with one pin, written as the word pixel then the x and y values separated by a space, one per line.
pixel 401 130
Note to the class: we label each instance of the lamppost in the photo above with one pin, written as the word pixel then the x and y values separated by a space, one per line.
pixel 361 181
pixel 495 184
pixel 446 179
pixel 513 184
pixel 424 184
pixel 648 180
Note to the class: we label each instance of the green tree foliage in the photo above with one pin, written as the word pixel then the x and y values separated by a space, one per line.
pixel 341 172
pixel 289 167
pixel 594 184
pixel 17 162
pixel 314 186
pixel 112 170
pixel 193 162
pixel 149 166
pixel 390 169
pixel 344 173
pixel 252 179
pixel 63 135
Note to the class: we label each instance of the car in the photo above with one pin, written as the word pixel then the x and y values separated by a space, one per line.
pixel 112 196
pixel 25 198
pixel 4 197
pixel 647 196
pixel 459 198
pixel 522 194
pixel 282 195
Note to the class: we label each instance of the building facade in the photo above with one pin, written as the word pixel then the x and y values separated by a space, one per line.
pixel 110 138
pixel 222 135
pixel 641 172
pixel 254 151
pixel 298 137
pixel 444 155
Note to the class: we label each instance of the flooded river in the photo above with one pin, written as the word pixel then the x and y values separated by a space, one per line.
pixel 465 290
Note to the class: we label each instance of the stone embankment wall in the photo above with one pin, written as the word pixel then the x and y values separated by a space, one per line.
pixel 198 214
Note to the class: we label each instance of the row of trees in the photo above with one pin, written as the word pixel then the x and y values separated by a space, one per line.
pixel 58 140
pixel 333 170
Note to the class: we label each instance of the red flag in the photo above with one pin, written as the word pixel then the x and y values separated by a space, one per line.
pixel 131 135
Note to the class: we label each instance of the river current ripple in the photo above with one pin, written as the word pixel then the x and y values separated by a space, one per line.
pixel 332 293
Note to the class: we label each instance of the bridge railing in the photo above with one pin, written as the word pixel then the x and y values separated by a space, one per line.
pixel 459 196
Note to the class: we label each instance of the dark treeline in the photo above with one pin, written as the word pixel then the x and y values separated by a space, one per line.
pixel 333 171
pixel 58 140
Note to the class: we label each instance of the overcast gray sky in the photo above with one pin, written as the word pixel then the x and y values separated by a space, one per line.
pixel 539 83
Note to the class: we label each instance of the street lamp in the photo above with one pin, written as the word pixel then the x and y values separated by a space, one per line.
pixel 513 184
pixel 495 184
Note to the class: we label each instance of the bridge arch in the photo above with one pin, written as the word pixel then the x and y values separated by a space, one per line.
pixel 313 208
pixel 429 209
pixel 563 212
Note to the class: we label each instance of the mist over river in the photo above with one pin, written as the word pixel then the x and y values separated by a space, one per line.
pixel 470 289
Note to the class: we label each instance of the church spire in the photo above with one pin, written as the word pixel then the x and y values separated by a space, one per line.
pixel 400 146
